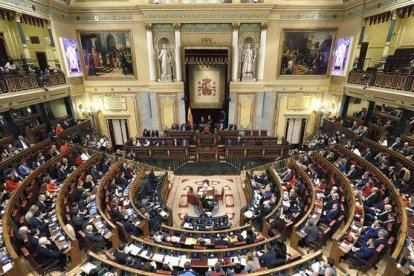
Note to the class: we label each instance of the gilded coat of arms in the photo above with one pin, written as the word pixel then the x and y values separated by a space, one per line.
pixel 207 87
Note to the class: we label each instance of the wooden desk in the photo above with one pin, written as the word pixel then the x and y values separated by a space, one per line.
pixel 295 238
pixel 289 268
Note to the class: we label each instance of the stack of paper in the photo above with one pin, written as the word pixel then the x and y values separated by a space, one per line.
pixel 212 262
pixel 190 241
pixel 159 258
pixel 87 268
pixel 133 249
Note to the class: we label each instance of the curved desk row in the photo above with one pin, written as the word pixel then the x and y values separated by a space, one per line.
pixel 394 196
pixel 18 200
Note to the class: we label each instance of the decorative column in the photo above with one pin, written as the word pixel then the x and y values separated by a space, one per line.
pixel 52 44
pixel 370 111
pixel 388 41
pixel 26 53
pixel 345 105
pixel 178 72
pixel 262 52
pixel 151 57
pixel 235 55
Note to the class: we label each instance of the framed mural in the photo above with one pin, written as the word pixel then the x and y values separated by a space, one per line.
pixel 107 54
pixel 306 52
pixel 207 86
pixel 71 57
pixel 341 56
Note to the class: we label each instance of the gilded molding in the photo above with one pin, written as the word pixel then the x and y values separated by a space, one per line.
pixel 162 28
pixel 174 16
pixel 212 27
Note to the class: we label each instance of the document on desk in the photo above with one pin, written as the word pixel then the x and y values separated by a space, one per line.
pixel 7 267
pixel 212 262
pixel 133 249
pixel 190 241
pixel 174 261
pixel 159 258
pixel 175 239
pixel 144 254
pixel 248 214
pixel 87 268
pixel 188 225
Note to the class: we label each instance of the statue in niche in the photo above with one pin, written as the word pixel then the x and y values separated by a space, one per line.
pixel 248 58
pixel 165 58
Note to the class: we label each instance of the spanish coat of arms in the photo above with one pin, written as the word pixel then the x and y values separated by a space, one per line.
pixel 207 87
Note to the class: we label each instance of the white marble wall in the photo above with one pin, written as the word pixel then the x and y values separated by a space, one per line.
pixel 265 110
pixel 232 108
pixel 181 109
pixel 149 110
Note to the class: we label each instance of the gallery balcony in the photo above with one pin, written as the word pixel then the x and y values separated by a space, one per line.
pixel 22 82
pixel 389 80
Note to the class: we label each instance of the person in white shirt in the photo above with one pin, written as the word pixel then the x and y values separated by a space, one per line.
pixel 10 65
pixel 85 155
pixel 146 143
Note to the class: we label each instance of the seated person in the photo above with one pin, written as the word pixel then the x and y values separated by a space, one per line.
pixel 312 234
pixel 95 238
pixel 45 255
pixel 330 215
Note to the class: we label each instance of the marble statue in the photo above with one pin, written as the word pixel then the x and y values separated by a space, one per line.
pixel 165 58
pixel 248 58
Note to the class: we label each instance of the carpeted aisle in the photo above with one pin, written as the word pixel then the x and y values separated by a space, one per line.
pixel 234 198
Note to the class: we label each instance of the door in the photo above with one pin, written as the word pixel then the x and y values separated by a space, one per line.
pixel 41 60
pixel 295 130
pixel 118 129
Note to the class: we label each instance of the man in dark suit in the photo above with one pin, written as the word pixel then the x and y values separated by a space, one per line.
pixel 79 221
pixel 46 255
pixel 42 204
pixel 221 240
pixel 397 145
pixel 312 233
pixel 120 254
pixel 329 203
pixel 23 169
pixel 22 143
pixel 20 236
pixel 269 259
pixel 371 232
pixel 330 215
pixel 37 222
pixel 123 182
pixel 372 198
pixel 95 238
pixel 62 173
pixel 368 155
pixel 34 237
pixel 364 253
pixel 352 173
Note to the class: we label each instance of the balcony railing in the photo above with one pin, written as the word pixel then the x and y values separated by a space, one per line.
pixel 17 82
pixel 388 80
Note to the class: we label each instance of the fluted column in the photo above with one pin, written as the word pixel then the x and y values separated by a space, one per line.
pixel 262 53
pixel 151 58
pixel 52 44
pixel 26 53
pixel 390 34
pixel 178 72
pixel 235 56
